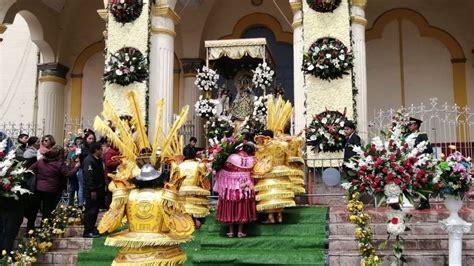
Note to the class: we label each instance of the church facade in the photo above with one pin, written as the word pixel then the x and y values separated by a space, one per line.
pixel 408 52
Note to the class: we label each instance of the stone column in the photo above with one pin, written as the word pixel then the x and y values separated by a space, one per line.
pixel 190 95
pixel 298 90
pixel 360 68
pixel 3 28
pixel 163 22
pixel 51 98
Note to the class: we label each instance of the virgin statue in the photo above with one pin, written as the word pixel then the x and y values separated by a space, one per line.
pixel 242 106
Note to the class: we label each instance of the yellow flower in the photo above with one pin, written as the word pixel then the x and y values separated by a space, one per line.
pixel 33 259
pixel 4 252
pixel 30 232
pixel 352 218
pixel 360 206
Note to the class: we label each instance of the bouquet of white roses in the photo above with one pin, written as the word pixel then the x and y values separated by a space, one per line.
pixel 206 79
pixel 205 108
pixel 11 174
pixel 262 76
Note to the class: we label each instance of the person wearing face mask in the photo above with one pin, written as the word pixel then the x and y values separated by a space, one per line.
pixel 47 142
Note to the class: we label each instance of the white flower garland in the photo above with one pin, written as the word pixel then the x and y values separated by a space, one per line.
pixel 119 35
pixel 262 76
pixel 206 79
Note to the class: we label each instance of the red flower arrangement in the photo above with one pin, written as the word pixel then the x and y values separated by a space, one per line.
pixel 326 131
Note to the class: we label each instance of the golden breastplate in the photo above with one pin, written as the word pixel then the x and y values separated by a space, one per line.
pixel 145 212
pixel 278 149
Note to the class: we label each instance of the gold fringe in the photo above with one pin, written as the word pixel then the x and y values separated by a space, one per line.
pixel 275 205
pixel 175 261
pixel 264 187
pixel 197 201
pixel 193 190
pixel 196 210
pixel 274 195
pixel 279 173
pixel 296 180
pixel 296 160
pixel 120 241
pixel 298 190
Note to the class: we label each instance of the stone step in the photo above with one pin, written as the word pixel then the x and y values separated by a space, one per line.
pixel 70 231
pixel 418 228
pixel 414 257
pixel 76 243
pixel 412 242
pixel 58 257
pixel 379 215
pixel 331 200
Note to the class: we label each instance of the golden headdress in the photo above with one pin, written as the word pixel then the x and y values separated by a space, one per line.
pixel 134 145
pixel 278 114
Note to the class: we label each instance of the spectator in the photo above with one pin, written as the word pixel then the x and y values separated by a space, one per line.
pixel 73 184
pixel 190 149
pixel 21 148
pixel 352 139
pixel 30 157
pixel 94 188
pixel 111 163
pixel 50 176
pixel 47 142
pixel 89 138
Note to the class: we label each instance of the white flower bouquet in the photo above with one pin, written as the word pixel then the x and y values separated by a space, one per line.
pixel 206 79
pixel 262 76
pixel 205 108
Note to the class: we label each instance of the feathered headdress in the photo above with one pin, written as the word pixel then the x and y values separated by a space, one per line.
pixel 279 113
pixel 134 145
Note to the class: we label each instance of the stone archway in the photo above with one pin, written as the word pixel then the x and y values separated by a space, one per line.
pixel 458 58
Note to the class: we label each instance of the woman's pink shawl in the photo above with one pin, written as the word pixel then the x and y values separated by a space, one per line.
pixel 234 176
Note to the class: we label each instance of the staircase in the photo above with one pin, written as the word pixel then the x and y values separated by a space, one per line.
pixel 426 243
pixel 65 249
pixel 301 240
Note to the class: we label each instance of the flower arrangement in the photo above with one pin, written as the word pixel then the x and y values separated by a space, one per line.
pixel 206 79
pixel 262 76
pixel 327 59
pixel 205 108
pixel 323 6
pixel 219 152
pixel 218 128
pixel 326 131
pixel 260 107
pixel 363 232
pixel 453 177
pixel 390 170
pixel 126 66
pixel 11 174
pixel 125 11
pixel 40 240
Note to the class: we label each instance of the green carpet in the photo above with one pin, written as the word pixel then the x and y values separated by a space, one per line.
pixel 301 240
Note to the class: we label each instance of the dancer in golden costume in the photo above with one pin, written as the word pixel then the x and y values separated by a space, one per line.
pixel 272 170
pixel 193 185
pixel 157 223
pixel 296 162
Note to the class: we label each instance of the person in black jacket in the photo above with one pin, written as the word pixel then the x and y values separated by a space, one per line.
pixel 414 129
pixel 352 139
pixel 94 186
pixel 190 149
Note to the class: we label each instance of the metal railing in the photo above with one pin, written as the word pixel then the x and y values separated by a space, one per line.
pixel 13 129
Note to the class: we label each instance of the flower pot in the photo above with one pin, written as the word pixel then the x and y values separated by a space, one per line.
pixel 453 204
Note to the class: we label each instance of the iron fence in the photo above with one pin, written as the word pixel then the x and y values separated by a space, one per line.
pixel 13 129
pixel 444 124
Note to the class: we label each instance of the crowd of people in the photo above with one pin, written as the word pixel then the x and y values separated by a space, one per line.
pixel 75 173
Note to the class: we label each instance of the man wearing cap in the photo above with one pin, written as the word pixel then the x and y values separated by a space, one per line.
pixel 352 139
pixel 414 133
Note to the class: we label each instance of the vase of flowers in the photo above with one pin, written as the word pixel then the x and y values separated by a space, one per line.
pixel 262 76
pixel 205 107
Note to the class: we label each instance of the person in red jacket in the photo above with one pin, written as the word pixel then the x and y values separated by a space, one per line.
pixel 51 173
pixel 111 163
